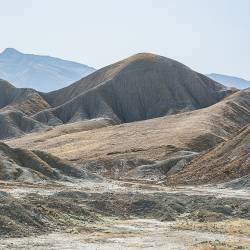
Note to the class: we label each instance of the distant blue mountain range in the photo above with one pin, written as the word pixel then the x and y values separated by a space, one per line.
pixel 43 73
pixel 230 81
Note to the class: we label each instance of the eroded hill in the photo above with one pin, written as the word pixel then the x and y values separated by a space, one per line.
pixel 115 150
pixel 16 109
pixel 229 160
pixel 140 87
pixel 31 166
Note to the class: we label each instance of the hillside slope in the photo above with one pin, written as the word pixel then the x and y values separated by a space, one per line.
pixel 28 101
pixel 23 165
pixel 120 148
pixel 16 107
pixel 140 87
pixel 229 160
pixel 43 73
pixel 16 124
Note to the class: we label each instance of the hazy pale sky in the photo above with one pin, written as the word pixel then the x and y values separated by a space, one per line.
pixel 207 35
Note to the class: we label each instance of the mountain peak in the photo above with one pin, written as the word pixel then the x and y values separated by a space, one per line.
pixel 10 51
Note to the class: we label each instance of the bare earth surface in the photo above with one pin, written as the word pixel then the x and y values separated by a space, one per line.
pixel 120 234
pixel 134 233
pixel 22 189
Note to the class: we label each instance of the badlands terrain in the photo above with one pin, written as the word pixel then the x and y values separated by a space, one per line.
pixel 142 154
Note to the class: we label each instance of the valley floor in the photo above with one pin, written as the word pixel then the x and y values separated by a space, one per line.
pixel 127 234
pixel 135 232
pixel 18 189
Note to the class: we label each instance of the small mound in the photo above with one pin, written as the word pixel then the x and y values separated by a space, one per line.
pixel 159 170
pixel 15 124
pixel 28 101
pixel 239 183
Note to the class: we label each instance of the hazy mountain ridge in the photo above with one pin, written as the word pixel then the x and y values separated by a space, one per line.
pixel 230 81
pixel 43 73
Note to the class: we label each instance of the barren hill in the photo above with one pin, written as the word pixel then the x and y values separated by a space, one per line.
pixel 125 146
pixel 16 124
pixel 140 87
pixel 28 101
pixel 228 161
pixel 16 107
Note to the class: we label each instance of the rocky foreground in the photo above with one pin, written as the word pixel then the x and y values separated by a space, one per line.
pixel 117 214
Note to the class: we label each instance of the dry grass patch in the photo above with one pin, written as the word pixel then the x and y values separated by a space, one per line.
pixel 233 227
pixel 227 245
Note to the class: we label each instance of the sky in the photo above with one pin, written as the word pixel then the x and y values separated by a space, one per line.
pixel 206 35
